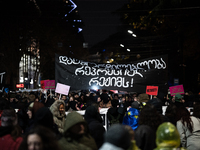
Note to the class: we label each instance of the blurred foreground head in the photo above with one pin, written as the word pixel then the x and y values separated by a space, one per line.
pixel 8 118
pixel 167 136
pixel 119 136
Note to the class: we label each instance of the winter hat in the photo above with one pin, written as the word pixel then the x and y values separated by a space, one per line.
pixel 143 97
pixel 135 105
pixel 8 118
pixel 31 98
pixel 118 135
pixel 72 119
pixel 178 97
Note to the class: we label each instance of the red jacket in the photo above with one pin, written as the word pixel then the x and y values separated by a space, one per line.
pixel 7 142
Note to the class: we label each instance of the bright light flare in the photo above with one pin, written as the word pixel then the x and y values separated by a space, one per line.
pixel 94 87
pixel 134 35
pixel 129 31
pixel 121 45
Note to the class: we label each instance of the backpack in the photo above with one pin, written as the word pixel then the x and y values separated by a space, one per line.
pixel 114 120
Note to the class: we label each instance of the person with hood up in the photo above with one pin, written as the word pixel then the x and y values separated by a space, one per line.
pixel 131 117
pixel 76 134
pixel 10 132
pixel 94 120
pixel 58 111
pixel 167 137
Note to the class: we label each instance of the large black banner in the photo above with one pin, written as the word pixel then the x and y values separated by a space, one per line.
pixel 134 77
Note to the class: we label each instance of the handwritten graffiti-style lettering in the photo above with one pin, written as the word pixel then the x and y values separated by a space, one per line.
pixel 111 75
pixel 1 74
pixel 68 61
pixel 110 81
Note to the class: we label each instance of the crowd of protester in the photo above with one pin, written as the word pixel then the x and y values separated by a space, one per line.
pixel 38 121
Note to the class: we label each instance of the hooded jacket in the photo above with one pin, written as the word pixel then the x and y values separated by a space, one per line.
pixel 76 142
pixel 94 120
pixel 59 119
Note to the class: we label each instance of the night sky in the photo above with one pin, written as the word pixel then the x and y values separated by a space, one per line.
pixel 98 20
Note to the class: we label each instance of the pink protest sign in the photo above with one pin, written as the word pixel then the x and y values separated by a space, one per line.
pixel 49 84
pixel 176 90
pixel 62 89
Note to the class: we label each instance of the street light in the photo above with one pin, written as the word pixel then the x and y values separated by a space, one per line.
pixel 134 35
pixel 129 31
pixel 121 45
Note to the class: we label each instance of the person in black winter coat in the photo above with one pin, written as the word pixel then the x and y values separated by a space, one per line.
pixel 105 97
pixel 115 113
pixel 94 120
pixel 145 134
pixel 44 117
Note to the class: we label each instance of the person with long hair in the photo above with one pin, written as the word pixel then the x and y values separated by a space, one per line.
pixel 94 120
pixel 145 134
pixel 39 138
pixel 31 111
pixel 170 114
pixel 189 127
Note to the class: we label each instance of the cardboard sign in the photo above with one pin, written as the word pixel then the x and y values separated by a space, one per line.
pixel 176 90
pixel 49 84
pixel 62 89
pixel 152 90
